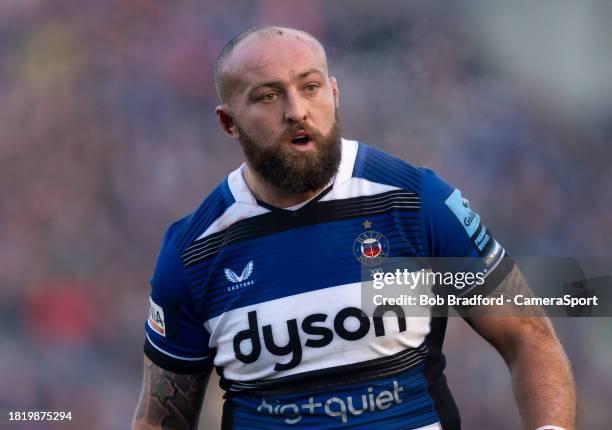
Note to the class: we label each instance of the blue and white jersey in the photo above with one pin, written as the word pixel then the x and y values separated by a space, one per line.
pixel 272 298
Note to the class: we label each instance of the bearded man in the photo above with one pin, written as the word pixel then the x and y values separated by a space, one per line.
pixel 264 280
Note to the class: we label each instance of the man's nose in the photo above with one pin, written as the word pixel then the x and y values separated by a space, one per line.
pixel 295 109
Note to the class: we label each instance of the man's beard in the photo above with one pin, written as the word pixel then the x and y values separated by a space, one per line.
pixel 293 171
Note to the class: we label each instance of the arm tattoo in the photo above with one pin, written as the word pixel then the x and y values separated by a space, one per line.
pixel 169 400
pixel 514 284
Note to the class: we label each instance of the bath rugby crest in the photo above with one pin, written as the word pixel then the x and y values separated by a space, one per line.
pixel 272 298
pixel 371 247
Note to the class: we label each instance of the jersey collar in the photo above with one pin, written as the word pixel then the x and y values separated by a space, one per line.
pixel 242 194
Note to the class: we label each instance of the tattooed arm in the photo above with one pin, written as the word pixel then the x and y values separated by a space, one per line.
pixel 541 375
pixel 169 400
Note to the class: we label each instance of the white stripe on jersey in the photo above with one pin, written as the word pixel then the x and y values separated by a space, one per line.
pixel 435 426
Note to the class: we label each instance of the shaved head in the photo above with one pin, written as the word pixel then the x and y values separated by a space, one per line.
pixel 279 101
pixel 226 69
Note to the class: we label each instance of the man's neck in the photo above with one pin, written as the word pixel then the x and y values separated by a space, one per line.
pixel 272 195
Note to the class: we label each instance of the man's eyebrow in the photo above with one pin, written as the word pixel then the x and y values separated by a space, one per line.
pixel 308 72
pixel 279 84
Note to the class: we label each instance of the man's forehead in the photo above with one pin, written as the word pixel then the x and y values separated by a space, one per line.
pixel 275 53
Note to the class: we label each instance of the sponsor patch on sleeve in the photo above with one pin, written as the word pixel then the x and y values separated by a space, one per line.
pixel 469 219
pixel 156 318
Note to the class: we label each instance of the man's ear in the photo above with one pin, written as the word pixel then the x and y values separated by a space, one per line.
pixel 335 91
pixel 226 121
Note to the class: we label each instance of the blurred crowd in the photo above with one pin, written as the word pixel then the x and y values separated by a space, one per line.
pixel 108 134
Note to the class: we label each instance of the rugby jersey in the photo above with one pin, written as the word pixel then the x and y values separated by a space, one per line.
pixel 272 298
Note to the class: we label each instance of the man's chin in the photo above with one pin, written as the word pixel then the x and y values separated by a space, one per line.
pixel 296 167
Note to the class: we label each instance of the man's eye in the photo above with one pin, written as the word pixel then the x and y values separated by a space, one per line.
pixel 311 88
pixel 268 97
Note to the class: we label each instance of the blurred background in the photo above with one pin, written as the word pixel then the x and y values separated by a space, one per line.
pixel 108 134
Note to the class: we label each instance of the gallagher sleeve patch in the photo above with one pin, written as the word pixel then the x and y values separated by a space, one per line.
pixel 156 318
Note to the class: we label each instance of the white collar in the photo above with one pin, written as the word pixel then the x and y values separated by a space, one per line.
pixel 242 193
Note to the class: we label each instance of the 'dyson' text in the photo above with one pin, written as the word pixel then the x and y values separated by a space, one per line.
pixel 317 335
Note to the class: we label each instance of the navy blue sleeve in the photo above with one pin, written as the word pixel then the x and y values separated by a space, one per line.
pixel 457 240
pixel 176 338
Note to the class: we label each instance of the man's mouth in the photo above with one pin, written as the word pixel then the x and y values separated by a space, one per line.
pixel 301 138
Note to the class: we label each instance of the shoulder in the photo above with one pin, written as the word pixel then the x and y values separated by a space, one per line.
pixel 381 167
pixel 170 286
pixel 187 229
